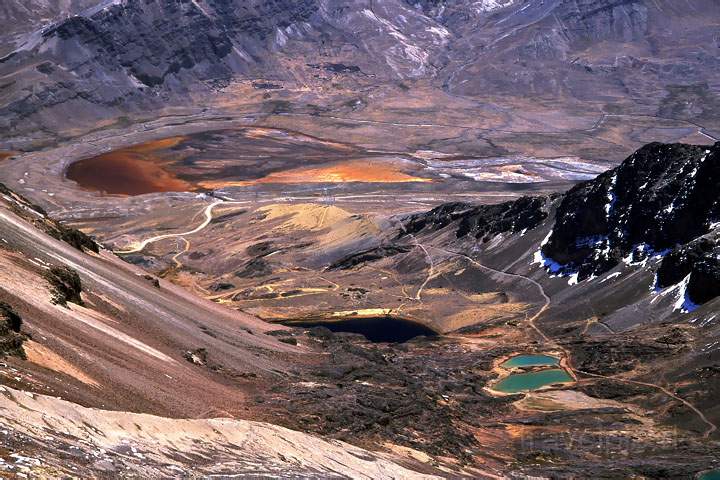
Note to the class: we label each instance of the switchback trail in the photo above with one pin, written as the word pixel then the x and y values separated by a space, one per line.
pixel 531 321
pixel 207 211
pixel 541 289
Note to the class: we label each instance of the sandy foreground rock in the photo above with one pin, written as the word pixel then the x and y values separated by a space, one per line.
pixel 49 432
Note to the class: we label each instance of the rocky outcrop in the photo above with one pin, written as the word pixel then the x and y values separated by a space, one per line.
pixel 369 255
pixel 660 197
pixel 480 221
pixel 35 214
pixel 660 203
pixel 65 284
pixel 11 337
pixel 700 260
pixel 657 203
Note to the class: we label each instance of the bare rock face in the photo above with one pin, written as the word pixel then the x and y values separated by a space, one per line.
pixel 481 221
pixel 661 201
pixel 626 20
pixel 38 216
pixel 699 261
pixel 563 46
pixel 66 285
pixel 147 52
pixel 11 338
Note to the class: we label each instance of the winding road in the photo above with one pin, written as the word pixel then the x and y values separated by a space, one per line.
pixel 711 427
pixel 541 289
pixel 207 211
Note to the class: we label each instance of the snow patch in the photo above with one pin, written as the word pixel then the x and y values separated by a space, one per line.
pixel 683 302
pixel 641 253
pixel 485 6
pixel 611 197
pixel 440 32
pixel 611 276
pixel 553 267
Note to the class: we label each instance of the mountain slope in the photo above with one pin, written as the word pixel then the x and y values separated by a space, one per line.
pixel 657 209
pixel 659 198
pixel 125 316
pixel 621 48
pixel 116 338
pixel 629 262
pixel 154 53
pixel 129 444
pixel 151 52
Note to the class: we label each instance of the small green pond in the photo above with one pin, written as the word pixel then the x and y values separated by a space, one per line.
pixel 711 475
pixel 522 382
pixel 531 361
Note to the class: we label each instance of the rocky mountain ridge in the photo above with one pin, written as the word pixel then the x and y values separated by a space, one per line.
pixel 658 206
pixel 660 203
pixel 152 53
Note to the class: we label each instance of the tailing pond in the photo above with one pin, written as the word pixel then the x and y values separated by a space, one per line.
pixel 382 329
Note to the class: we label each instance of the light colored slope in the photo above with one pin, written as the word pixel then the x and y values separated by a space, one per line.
pixel 161 447
pixel 125 348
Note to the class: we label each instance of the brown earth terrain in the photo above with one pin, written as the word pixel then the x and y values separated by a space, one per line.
pixel 305 266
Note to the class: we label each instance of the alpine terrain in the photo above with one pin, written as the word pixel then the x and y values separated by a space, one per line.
pixel 360 239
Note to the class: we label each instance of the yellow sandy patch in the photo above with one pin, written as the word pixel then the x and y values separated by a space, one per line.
pixel 350 229
pixel 365 171
pixel 488 297
pixel 562 400
pixel 264 132
pixel 305 216
pixel 365 312
pixel 303 292
pixel 436 291
pixel 43 356
pixel 408 452
pixel 487 313
pixel 157 145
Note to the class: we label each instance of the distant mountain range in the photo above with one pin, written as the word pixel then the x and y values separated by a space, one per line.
pixel 659 55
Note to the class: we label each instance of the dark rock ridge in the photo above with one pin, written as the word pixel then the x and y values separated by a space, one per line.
pixel 65 284
pixel 369 255
pixel 701 261
pixel 11 337
pixel 36 215
pixel 480 221
pixel 148 52
pixel 658 202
